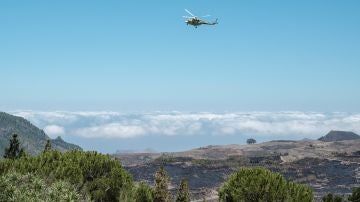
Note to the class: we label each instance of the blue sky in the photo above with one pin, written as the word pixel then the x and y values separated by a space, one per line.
pixel 140 56
pixel 131 75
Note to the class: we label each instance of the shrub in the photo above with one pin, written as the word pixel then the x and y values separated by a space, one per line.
pixel 161 192
pixel 259 184
pixel 143 193
pixel 331 198
pixel 102 177
pixel 355 196
pixel 17 187
pixel 183 194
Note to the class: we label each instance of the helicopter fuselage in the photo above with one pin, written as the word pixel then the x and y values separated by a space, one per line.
pixel 197 22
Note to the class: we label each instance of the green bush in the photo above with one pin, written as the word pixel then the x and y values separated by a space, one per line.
pixel 355 196
pixel 143 193
pixel 259 184
pixel 331 198
pixel 183 194
pixel 161 190
pixel 16 187
pixel 102 177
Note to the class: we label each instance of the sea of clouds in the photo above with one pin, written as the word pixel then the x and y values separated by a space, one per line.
pixel 104 124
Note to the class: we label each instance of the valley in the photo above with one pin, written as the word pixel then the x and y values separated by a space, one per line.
pixel 327 167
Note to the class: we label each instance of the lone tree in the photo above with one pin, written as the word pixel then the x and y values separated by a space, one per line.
pixel 48 146
pixel 14 151
pixel 161 192
pixel 183 194
pixel 251 141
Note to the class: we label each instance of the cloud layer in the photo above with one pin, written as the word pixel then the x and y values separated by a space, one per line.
pixel 54 130
pixel 119 125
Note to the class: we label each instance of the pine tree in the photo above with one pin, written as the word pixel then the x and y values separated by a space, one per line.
pixel 183 194
pixel 355 196
pixel 331 198
pixel 161 192
pixel 14 151
pixel 48 146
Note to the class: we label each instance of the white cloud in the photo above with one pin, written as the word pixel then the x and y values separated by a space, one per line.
pixel 54 130
pixel 118 125
pixel 113 130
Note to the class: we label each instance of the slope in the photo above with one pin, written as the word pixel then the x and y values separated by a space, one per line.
pixel 32 139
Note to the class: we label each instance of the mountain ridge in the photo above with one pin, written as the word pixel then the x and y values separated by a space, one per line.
pixel 32 139
pixel 337 135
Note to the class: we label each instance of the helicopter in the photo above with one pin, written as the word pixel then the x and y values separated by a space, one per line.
pixel 196 21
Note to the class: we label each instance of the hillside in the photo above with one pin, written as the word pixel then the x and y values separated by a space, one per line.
pixel 325 166
pixel 339 136
pixel 32 138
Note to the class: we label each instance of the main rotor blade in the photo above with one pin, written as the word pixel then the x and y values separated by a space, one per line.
pixel 205 16
pixel 189 12
pixel 187 16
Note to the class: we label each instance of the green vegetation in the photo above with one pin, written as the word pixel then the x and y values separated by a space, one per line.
pixel 97 175
pixel 355 196
pixel 47 146
pixel 143 193
pixel 14 151
pixel 16 187
pixel 183 194
pixel 332 198
pixel 251 141
pixel 259 184
pixel 89 176
pixel 161 192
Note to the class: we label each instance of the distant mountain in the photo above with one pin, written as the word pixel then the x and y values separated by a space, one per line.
pixel 32 139
pixel 339 136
